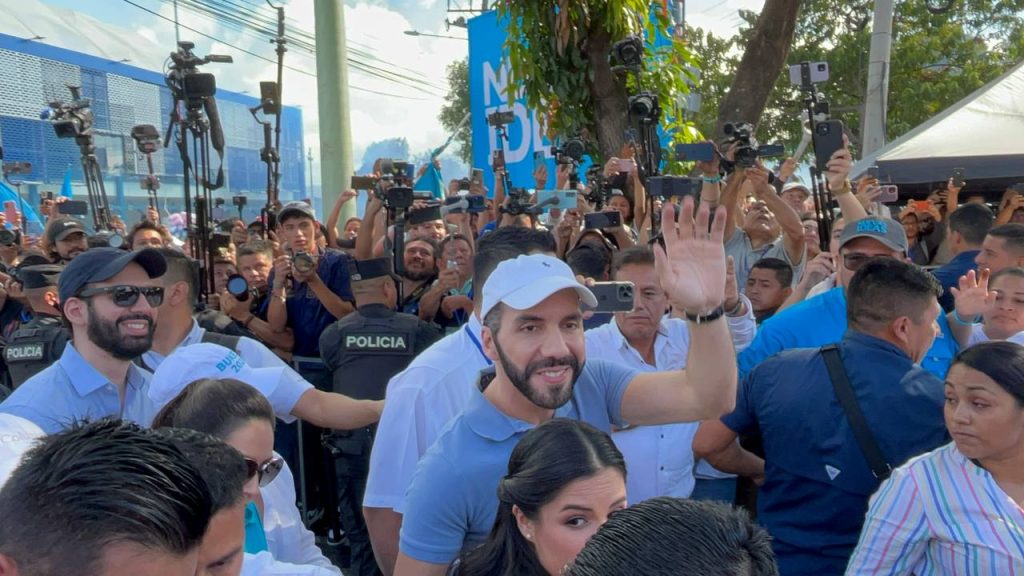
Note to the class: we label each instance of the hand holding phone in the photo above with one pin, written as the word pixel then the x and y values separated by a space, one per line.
pixel 627 165
pixel 958 178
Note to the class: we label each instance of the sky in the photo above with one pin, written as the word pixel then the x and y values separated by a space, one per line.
pixel 380 109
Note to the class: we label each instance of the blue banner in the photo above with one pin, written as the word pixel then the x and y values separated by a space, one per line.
pixel 488 82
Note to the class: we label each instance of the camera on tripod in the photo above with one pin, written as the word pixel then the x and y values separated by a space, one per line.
pixel 748 151
pixel 190 85
pixel 570 152
pixel 500 118
pixel 628 52
pixel 73 119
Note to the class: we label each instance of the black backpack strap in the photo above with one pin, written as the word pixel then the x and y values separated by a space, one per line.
pixel 230 342
pixel 844 391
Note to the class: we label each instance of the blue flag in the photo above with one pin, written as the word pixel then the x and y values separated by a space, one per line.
pixel 432 182
pixel 65 189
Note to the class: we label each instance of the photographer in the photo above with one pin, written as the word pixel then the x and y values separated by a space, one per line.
pixel 255 260
pixel 309 288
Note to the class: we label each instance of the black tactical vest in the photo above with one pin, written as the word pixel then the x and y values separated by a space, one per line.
pixel 33 347
pixel 364 353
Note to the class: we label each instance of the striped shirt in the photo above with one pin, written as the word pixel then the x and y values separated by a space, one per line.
pixel 941 514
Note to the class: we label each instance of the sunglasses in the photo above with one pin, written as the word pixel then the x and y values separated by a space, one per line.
pixel 853 262
pixel 127 296
pixel 266 471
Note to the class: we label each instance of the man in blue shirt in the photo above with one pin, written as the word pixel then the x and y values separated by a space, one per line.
pixel 533 331
pixel 109 297
pixel 817 480
pixel 968 226
pixel 822 320
pixel 310 290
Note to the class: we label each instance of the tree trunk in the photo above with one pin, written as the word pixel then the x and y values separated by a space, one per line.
pixel 609 93
pixel 762 61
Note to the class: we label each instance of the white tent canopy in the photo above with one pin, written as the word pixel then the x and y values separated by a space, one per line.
pixel 983 133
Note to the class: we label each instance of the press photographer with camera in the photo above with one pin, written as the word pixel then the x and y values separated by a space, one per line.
pixel 309 288
pixel 246 302
pixel 63 239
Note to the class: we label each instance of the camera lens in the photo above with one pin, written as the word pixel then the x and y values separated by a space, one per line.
pixel 238 287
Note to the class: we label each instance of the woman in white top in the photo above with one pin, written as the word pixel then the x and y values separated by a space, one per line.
pixel 989 308
pixel 242 417
pixel 957 510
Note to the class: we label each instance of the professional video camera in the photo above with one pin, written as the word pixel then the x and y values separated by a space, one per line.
pixel 644 107
pixel 518 203
pixel 186 82
pixel 501 118
pixel 399 172
pixel 599 188
pixel 628 52
pixel 72 119
pixel 570 152
pixel 749 150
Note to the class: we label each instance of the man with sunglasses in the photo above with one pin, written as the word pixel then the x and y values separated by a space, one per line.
pixel 821 320
pixel 109 298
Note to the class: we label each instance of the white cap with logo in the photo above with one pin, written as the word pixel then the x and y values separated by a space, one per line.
pixel 526 281
pixel 200 361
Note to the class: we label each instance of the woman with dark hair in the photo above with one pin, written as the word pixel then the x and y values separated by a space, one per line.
pixel 242 417
pixel 564 479
pixel 958 509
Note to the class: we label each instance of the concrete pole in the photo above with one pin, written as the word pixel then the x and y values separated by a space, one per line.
pixel 877 96
pixel 333 103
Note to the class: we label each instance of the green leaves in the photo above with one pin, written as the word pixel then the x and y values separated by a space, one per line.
pixel 457 107
pixel 558 56
pixel 937 59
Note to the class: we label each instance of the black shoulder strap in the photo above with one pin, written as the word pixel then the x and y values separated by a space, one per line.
pixel 844 391
pixel 221 340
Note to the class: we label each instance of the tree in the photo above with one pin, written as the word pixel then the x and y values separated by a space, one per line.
pixel 559 60
pixel 938 57
pixel 457 107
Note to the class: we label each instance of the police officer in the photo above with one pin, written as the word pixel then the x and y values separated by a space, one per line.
pixel 363 351
pixel 40 342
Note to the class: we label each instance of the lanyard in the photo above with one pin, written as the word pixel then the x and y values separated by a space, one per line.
pixel 476 343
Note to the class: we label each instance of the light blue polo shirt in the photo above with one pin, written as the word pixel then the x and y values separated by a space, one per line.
pixel 71 391
pixel 453 500
pixel 821 320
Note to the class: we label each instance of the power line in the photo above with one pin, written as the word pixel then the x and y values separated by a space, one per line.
pixel 228 13
pixel 250 53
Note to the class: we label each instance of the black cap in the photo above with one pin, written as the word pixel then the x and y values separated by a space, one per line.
pixel 40 276
pixel 296 208
pixel 33 260
pixel 60 228
pixel 369 269
pixel 99 264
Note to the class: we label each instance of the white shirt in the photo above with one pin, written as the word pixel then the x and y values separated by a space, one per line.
pixel 822 287
pixel 420 401
pixel 264 564
pixel 660 458
pixel 978 336
pixel 17 435
pixel 288 540
pixel 282 398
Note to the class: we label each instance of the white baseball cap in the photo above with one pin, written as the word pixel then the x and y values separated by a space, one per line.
pixel 17 436
pixel 200 361
pixel 529 280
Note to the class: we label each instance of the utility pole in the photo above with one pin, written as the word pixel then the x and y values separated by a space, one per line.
pixel 333 102
pixel 309 156
pixel 177 35
pixel 877 96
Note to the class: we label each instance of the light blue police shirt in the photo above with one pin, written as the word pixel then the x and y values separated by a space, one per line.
pixel 71 390
pixel 452 501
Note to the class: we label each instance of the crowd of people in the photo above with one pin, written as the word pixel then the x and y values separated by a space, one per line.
pixel 430 391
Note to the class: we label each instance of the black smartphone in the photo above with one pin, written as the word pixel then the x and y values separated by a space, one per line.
pixel 872 171
pixel 601 220
pixel 702 151
pixel 958 178
pixel 669 186
pixel 73 207
pixel 219 240
pixel 363 182
pixel 828 137
pixel 477 177
pixel 614 296
pixel 498 160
